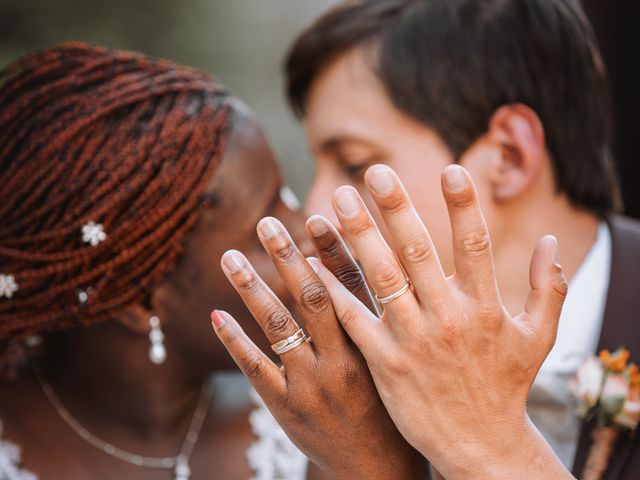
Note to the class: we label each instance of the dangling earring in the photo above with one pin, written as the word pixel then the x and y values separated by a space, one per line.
pixel 157 352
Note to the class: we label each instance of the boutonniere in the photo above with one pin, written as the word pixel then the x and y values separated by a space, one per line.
pixel 607 388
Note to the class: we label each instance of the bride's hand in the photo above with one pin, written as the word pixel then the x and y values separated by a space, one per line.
pixel 452 366
pixel 323 396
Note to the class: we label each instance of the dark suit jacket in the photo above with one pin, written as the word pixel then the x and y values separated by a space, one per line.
pixel 620 327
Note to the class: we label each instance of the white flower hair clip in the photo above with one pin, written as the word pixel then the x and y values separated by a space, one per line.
pixel 8 285
pixel 93 233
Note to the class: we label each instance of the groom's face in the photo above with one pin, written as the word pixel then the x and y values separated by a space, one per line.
pixel 351 124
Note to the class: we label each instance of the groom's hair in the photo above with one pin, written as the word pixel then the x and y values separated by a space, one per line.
pixel 451 64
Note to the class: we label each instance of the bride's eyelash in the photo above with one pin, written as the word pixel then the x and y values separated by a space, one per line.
pixel 357 170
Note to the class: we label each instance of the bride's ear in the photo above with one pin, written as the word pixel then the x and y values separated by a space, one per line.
pixel 518 134
pixel 136 319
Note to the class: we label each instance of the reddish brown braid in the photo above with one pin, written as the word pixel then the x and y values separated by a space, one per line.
pixel 93 134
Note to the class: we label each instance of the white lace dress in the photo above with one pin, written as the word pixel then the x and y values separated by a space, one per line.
pixel 10 462
pixel 272 456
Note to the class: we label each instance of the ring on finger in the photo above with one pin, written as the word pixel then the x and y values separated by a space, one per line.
pixel 295 340
pixel 394 295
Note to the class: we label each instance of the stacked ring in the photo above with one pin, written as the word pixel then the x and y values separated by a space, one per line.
pixel 283 346
pixel 393 296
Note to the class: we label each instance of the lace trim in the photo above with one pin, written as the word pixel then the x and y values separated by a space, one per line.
pixel 273 456
pixel 10 460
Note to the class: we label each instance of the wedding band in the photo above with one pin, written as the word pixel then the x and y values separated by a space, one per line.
pixel 283 346
pixel 393 296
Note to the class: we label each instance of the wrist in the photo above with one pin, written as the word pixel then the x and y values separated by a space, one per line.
pixel 518 451
pixel 408 465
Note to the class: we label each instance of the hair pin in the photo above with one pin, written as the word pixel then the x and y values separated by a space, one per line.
pixel 8 285
pixel 93 233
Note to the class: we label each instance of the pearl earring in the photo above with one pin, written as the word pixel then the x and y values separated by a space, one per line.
pixel 157 352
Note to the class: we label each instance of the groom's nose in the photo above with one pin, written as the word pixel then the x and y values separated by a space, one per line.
pixel 319 201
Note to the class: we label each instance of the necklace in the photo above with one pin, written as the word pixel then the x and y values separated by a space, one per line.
pixel 179 463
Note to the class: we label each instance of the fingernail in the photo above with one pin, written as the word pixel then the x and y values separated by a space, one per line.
pixel 270 227
pixel 381 180
pixel 312 261
pixel 455 178
pixel 217 318
pixel 317 226
pixel 554 251
pixel 348 203
pixel 232 261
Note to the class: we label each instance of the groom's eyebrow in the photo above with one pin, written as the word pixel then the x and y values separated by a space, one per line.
pixel 334 144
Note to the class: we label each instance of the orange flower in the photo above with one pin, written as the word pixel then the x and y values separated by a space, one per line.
pixel 634 375
pixel 616 361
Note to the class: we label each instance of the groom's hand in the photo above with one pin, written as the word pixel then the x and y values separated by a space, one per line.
pixel 452 366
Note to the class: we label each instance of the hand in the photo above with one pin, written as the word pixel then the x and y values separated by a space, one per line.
pixel 323 396
pixel 452 366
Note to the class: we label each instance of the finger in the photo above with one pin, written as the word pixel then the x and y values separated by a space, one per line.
pixel 274 319
pixel 362 326
pixel 335 255
pixel 380 266
pixel 264 375
pixel 471 243
pixel 548 288
pixel 310 294
pixel 407 233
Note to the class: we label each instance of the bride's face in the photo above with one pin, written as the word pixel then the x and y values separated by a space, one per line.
pixel 246 187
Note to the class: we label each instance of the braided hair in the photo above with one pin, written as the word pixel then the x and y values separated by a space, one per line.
pixel 104 158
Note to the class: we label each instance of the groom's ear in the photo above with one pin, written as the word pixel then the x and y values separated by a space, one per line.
pixel 518 135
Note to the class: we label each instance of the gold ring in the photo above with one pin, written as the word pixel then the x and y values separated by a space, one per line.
pixel 393 296
pixel 283 346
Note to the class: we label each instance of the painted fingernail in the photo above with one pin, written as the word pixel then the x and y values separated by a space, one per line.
pixel 313 261
pixel 347 202
pixel 217 319
pixel 317 226
pixel 232 261
pixel 455 178
pixel 270 227
pixel 381 180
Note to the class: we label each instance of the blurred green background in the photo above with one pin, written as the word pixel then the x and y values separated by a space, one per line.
pixel 242 42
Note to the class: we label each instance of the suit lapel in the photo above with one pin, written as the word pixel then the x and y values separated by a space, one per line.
pixel 620 327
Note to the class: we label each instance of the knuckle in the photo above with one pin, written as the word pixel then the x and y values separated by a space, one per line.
pixel 351 278
pixel 247 281
pixel 490 317
pixel 386 275
pixel 418 250
pixel 394 203
pixel 351 375
pixel 349 317
pixel 394 364
pixel 314 297
pixel 451 332
pixel 561 286
pixel 476 244
pixel 284 250
pixel 254 367
pixel 464 199
pixel 332 249
pixel 278 321
pixel 361 226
